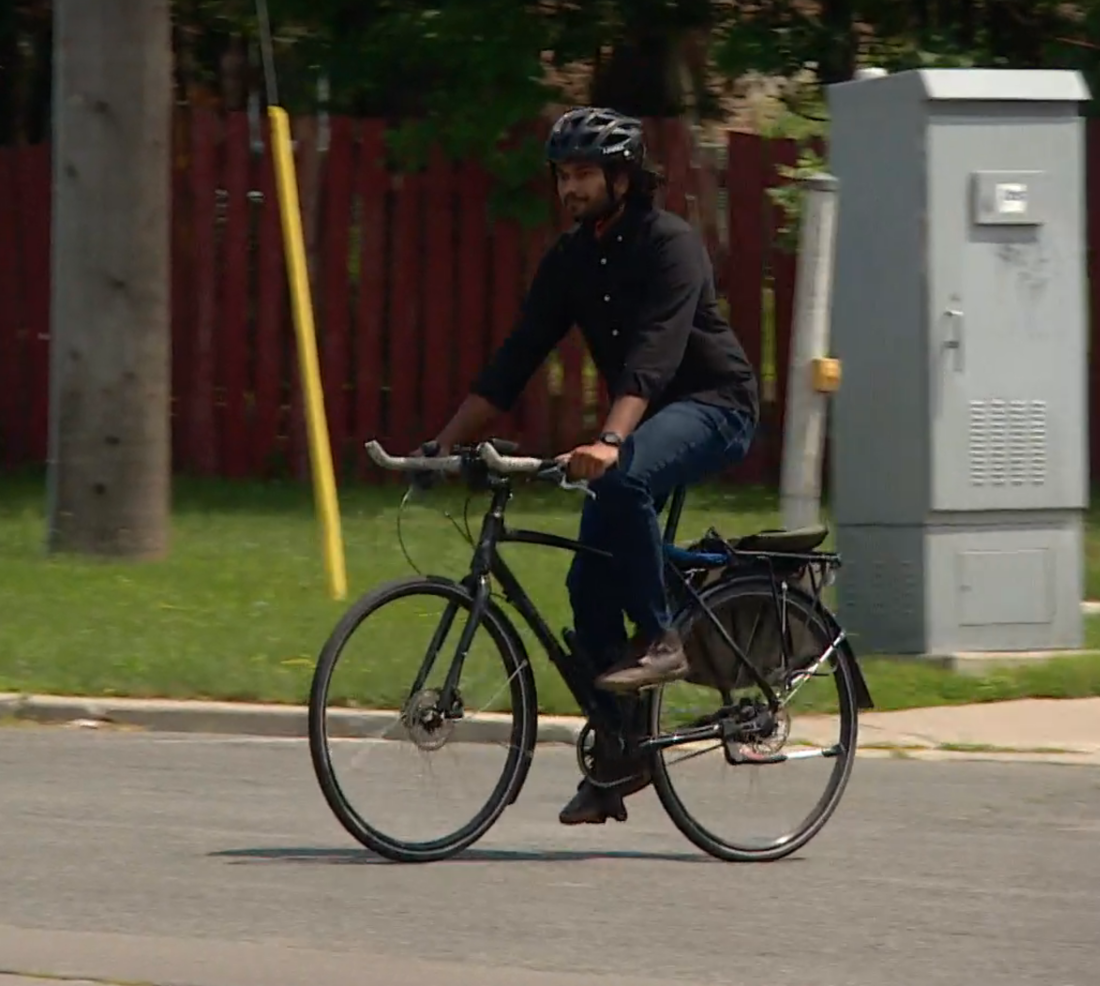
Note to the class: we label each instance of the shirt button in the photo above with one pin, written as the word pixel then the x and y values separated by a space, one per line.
pixel 603 260
pixel 607 297
pixel 614 332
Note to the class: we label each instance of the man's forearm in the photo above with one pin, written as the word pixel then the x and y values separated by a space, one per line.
pixel 625 414
pixel 472 416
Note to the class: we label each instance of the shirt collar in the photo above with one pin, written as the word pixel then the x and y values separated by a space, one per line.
pixel 625 227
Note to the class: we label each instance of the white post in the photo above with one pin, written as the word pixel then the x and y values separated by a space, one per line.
pixel 807 393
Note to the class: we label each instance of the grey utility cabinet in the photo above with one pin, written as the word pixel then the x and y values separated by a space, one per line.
pixel 959 434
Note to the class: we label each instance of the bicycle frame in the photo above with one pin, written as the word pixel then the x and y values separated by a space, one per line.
pixel 571 663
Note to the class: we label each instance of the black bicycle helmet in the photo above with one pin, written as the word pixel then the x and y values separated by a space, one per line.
pixel 602 136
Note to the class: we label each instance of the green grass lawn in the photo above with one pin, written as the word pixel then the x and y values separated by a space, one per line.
pixel 239 609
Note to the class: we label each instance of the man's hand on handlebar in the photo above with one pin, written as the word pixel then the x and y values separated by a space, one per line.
pixel 497 456
pixel 589 462
pixel 426 450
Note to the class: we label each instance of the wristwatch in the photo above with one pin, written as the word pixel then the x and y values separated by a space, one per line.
pixel 610 438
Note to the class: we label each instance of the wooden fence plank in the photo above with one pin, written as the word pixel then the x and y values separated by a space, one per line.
pixel 507 261
pixel 334 325
pixel 183 285
pixel 34 183
pixel 677 156
pixel 272 324
pixel 201 448
pixel 745 202
pixel 537 430
pixel 784 267
pixel 371 188
pixel 12 375
pixel 233 320
pixel 405 347
pixel 473 260
pixel 307 168
pixel 440 345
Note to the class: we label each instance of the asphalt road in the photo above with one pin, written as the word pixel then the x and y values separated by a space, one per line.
pixel 214 862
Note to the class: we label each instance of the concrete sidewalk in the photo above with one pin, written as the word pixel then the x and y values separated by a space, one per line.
pixel 1064 729
pixel 1067 730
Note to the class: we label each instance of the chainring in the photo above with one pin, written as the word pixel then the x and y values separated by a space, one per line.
pixel 586 759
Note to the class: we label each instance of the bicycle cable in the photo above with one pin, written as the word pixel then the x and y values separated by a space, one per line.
pixel 400 536
pixel 406 499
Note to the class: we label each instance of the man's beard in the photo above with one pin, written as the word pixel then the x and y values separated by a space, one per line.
pixel 590 210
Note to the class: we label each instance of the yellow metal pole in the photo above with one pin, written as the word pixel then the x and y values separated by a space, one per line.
pixel 320 449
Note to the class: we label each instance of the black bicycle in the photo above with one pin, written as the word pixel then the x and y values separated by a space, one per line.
pixel 762 644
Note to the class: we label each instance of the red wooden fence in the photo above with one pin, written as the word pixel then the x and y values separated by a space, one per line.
pixel 414 283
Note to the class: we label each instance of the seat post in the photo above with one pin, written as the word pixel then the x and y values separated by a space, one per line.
pixel 675 509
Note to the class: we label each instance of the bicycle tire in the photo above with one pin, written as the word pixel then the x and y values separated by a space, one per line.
pixel 522 738
pixel 724 593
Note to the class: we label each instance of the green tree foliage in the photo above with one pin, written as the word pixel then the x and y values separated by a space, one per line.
pixel 471 74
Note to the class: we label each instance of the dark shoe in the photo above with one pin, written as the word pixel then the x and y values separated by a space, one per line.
pixel 593 805
pixel 630 774
pixel 662 661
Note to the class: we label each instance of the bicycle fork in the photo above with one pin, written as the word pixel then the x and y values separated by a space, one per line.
pixel 449 700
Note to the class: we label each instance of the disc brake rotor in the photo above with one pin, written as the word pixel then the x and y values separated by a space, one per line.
pixel 428 728
pixel 777 739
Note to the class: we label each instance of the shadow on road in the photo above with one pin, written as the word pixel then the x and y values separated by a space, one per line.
pixel 364 857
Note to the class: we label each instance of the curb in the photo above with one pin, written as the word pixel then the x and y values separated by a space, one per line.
pixel 240 719
pixel 292 722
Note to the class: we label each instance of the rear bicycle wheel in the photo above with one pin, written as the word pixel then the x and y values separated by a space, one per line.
pixel 395 646
pixel 811 744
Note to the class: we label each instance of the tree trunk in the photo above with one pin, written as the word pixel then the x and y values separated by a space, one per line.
pixel 39 88
pixel 838 58
pixel 9 74
pixel 640 77
pixel 110 352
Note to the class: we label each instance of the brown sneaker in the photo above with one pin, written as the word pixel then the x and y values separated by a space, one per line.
pixel 664 660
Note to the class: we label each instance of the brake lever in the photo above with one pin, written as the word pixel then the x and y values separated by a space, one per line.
pixel 581 485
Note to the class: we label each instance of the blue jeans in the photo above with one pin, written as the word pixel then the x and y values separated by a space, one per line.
pixel 680 445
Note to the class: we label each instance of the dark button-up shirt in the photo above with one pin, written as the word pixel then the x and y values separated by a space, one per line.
pixel 643 296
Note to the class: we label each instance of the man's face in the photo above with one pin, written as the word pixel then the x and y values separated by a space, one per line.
pixel 583 190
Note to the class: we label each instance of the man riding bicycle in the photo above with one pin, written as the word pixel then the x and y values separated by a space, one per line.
pixel 638 283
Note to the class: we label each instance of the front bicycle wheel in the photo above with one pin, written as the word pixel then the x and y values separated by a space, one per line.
pixel 395 647
pixel 762 793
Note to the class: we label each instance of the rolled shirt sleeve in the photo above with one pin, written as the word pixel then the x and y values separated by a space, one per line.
pixel 543 321
pixel 665 317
